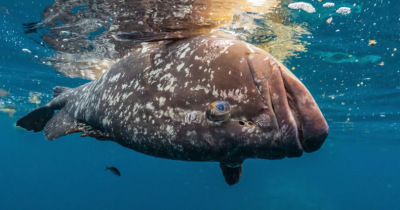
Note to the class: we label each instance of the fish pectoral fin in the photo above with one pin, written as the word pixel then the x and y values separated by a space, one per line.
pixel 231 175
pixel 59 125
pixel 63 123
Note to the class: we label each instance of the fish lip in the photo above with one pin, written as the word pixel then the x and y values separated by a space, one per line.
pixel 294 113
pixel 302 125
pixel 268 80
pixel 312 126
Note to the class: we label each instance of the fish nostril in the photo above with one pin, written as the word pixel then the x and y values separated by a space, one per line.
pixel 246 123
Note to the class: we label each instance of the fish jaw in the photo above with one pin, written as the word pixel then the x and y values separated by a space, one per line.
pixel 302 126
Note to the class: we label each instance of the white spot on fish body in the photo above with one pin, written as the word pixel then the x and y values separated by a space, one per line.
pixel 168 66
pixel 187 72
pixel 206 90
pixel 215 92
pixel 115 77
pixel 193 116
pixel 170 82
pixel 161 101
pixel 249 129
pixel 150 106
pixel 145 45
pixel 137 120
pixel 178 68
pixel 158 62
pixel 183 54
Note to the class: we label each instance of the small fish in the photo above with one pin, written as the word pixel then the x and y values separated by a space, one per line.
pixel 3 93
pixel 10 109
pixel 113 170
pixel 4 10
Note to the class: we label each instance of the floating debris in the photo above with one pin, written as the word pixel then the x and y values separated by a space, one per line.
pixel 328 4
pixel 26 50
pixel 372 42
pixel 3 93
pixel 329 20
pixel 34 98
pixel 281 40
pixel 302 5
pixel 343 10
pixel 382 63
pixel 395 49
pixel 9 109
pixel 293 68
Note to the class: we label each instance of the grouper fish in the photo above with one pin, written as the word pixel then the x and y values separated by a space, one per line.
pixel 204 98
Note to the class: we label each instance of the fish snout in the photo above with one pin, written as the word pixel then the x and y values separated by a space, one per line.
pixel 313 128
pixel 301 124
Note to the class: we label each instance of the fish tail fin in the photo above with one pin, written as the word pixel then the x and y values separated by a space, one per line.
pixel 231 175
pixel 36 119
pixel 106 168
pixel 57 90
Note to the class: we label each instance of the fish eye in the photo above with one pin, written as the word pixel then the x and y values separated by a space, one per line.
pixel 220 107
pixel 218 111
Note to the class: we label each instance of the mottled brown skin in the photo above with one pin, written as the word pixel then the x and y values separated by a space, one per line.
pixel 154 102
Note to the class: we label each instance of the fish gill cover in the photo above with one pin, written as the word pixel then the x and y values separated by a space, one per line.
pixel 91 35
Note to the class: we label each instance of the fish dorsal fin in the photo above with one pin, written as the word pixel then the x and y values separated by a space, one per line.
pixel 58 90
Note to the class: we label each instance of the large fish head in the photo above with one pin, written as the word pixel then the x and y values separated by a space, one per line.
pixel 253 106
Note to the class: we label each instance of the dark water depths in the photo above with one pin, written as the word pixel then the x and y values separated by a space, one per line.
pixel 357 167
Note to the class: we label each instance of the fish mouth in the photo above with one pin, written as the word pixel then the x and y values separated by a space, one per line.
pixel 301 124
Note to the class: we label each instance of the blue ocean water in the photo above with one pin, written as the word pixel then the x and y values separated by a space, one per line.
pixel 356 86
